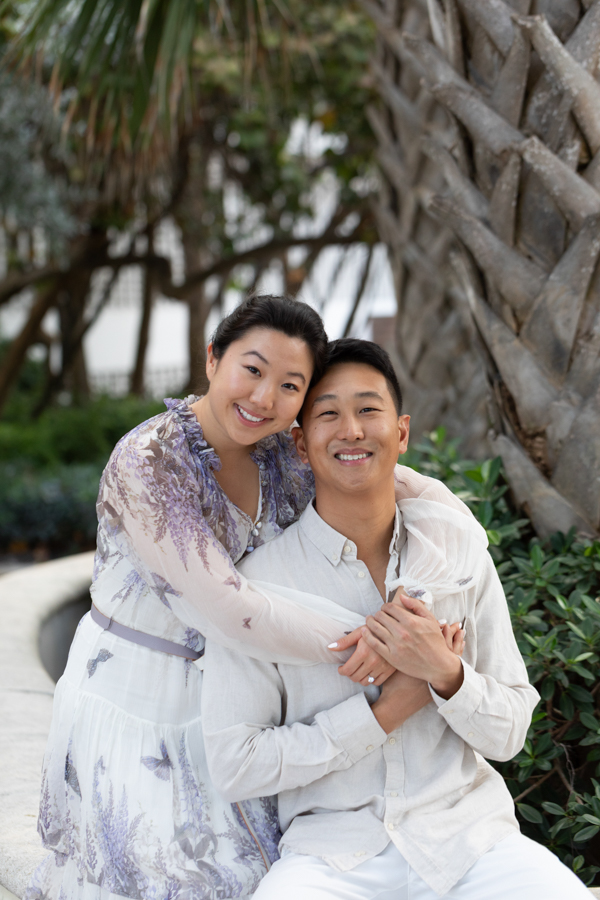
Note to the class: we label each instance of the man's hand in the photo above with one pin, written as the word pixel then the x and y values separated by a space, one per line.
pixel 365 663
pixel 401 697
pixel 408 636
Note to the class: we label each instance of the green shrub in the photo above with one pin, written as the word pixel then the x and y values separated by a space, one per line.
pixel 53 507
pixel 50 468
pixel 553 589
pixel 73 434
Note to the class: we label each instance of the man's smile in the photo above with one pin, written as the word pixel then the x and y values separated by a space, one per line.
pixel 353 456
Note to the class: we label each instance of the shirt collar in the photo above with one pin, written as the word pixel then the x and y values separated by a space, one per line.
pixel 331 543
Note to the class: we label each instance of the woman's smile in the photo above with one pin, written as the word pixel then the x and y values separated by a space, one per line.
pixel 250 419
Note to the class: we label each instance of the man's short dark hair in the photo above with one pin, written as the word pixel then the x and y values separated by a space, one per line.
pixel 367 353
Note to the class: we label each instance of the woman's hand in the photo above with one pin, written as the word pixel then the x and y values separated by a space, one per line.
pixel 409 636
pixel 454 636
pixel 365 666
pixel 365 663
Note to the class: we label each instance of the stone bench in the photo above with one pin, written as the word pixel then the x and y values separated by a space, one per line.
pixel 28 598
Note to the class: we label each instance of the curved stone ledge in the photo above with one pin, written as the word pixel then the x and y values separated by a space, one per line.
pixel 27 598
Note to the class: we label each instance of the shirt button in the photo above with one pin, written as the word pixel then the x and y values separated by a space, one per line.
pixel 391 826
pixel 393 793
pixel 471 734
pixel 255 531
pixel 392 740
pixel 369 748
pixel 259 524
pixel 361 574
pixel 361 853
pixel 347 548
pixel 334 556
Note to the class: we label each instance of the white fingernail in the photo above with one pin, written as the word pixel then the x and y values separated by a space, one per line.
pixel 443 621
pixel 332 646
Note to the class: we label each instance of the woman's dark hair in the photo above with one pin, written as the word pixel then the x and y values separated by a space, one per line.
pixel 353 350
pixel 291 317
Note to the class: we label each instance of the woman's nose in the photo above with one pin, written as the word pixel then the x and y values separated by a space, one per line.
pixel 263 395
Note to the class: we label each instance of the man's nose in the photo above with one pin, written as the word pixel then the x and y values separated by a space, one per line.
pixel 350 429
pixel 263 395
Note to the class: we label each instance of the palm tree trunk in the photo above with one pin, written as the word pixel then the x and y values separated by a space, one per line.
pixel 504 110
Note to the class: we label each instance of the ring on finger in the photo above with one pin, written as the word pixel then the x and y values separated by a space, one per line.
pixel 370 679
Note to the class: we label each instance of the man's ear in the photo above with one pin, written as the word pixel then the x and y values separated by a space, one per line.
pixel 403 432
pixel 300 443
pixel 211 362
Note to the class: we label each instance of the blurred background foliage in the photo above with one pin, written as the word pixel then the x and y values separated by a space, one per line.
pixel 127 115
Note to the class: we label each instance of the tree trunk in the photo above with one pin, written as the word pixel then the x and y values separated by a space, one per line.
pixel 16 352
pixel 199 309
pixel 505 113
pixel 136 385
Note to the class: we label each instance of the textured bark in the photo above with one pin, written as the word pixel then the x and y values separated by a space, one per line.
pixel 489 144
pixel 441 375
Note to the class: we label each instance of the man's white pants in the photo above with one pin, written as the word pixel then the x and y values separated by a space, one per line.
pixel 516 868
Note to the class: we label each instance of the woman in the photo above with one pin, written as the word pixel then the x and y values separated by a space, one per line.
pixel 127 808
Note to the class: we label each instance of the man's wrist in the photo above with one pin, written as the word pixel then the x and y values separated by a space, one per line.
pixel 386 714
pixel 450 682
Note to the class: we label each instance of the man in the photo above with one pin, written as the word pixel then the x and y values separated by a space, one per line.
pixel 380 796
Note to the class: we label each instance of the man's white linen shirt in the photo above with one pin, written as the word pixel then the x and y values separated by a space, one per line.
pixel 346 788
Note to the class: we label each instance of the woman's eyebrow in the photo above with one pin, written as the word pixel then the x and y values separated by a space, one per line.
pixel 256 353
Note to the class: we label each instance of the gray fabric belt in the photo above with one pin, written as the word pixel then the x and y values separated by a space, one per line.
pixel 139 637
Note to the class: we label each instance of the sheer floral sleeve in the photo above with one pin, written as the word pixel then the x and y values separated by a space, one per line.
pixel 150 508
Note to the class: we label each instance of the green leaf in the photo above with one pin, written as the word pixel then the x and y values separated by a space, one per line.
pixel 530 813
pixel 580 694
pixel 553 808
pixel 589 721
pixel 567 706
pixel 577 631
pixel 585 673
pixel 537 556
pixel 586 833
pixel 560 826
pixel 593 819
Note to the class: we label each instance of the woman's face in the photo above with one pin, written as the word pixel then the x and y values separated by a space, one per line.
pixel 258 385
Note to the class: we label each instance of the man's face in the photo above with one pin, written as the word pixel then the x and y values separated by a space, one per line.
pixel 351 433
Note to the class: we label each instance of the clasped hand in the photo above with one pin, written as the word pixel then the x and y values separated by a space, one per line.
pixel 404 635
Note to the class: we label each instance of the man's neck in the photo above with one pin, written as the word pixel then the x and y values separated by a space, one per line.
pixel 366 519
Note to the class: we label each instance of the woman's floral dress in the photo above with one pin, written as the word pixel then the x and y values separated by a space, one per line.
pixel 127 808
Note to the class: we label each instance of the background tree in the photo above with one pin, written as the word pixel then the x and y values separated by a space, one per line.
pixel 185 112
pixel 488 132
